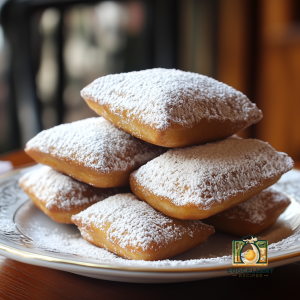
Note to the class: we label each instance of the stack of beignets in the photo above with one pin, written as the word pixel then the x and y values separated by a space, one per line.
pixel 145 110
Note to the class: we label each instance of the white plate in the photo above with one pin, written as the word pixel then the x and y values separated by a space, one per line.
pixel 29 236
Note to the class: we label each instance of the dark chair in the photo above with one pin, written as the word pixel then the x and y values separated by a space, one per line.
pixel 16 18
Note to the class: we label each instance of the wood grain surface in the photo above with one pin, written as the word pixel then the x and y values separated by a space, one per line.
pixel 23 281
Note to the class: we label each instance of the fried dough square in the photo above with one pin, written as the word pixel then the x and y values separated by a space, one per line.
pixel 253 216
pixel 133 229
pixel 171 108
pixel 201 181
pixel 60 196
pixel 93 151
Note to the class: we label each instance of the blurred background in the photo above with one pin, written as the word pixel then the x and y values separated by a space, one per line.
pixel 50 50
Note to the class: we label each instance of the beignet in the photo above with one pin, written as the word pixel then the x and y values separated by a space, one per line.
pixel 201 181
pixel 60 196
pixel 93 151
pixel 133 229
pixel 253 216
pixel 171 108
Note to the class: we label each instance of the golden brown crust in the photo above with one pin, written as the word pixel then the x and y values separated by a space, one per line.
pixel 59 196
pixel 187 242
pixel 60 217
pixel 198 182
pixel 93 151
pixel 236 221
pixel 191 212
pixel 174 136
pixel 171 108
pixel 82 173
pixel 132 229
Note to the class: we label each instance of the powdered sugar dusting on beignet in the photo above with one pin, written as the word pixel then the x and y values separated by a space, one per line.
pixel 57 190
pixel 130 222
pixel 212 173
pixel 94 143
pixel 162 97
pixel 254 210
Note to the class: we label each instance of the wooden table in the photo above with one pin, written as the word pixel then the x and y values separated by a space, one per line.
pixel 22 281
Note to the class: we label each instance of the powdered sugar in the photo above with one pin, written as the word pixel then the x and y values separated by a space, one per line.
pixel 134 223
pixel 71 246
pixel 94 143
pixel 55 189
pixel 290 183
pixel 255 209
pixel 69 243
pixel 162 97
pixel 76 245
pixel 212 173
